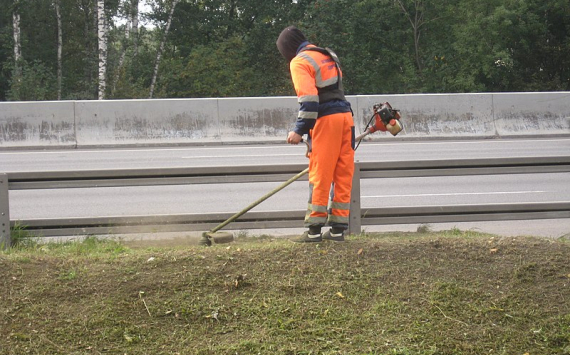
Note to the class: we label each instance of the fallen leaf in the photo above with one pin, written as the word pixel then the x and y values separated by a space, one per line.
pixel 339 295
pixel 360 251
pixel 213 315
pixel 239 279
pixel 493 251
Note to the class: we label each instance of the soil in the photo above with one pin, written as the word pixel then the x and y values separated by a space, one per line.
pixel 407 293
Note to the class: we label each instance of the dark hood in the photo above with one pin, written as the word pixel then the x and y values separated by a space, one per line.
pixel 289 41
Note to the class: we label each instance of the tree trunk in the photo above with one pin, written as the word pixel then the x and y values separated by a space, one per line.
pixel 231 15
pixel 417 21
pixel 123 53
pixel 88 11
pixel 59 48
pixel 135 25
pixel 161 48
pixel 102 39
pixel 17 45
pixel 131 29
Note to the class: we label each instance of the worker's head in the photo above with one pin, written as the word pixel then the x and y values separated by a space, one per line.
pixel 289 41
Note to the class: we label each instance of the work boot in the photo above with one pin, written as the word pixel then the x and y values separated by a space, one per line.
pixel 334 235
pixel 308 238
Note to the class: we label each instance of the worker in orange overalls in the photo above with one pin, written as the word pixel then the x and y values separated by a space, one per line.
pixel 325 116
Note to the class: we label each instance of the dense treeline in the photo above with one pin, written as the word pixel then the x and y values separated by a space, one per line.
pixel 89 49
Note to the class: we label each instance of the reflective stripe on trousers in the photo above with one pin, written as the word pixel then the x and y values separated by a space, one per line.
pixel 331 160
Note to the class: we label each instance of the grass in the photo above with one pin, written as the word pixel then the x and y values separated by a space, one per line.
pixel 452 292
pixel 20 238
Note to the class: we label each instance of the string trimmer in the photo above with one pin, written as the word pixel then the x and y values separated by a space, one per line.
pixel 225 237
pixel 386 119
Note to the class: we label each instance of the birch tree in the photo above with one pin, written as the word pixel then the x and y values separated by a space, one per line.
pixel 161 48
pixel 135 25
pixel 129 43
pixel 59 47
pixel 102 40
pixel 17 42
pixel 123 55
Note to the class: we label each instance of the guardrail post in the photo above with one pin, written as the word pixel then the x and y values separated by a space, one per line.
pixel 355 224
pixel 5 240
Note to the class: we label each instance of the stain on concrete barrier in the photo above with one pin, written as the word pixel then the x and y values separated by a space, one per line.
pixel 37 124
pixel 168 121
pixel 251 119
pixel 532 113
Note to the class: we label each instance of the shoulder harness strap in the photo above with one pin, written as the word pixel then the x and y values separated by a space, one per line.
pixel 327 51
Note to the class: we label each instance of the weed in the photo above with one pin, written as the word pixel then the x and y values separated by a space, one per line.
pixel 68 275
pixel 424 228
pixel 455 232
pixel 21 238
pixel 88 246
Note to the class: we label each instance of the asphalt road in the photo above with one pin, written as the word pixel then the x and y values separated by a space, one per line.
pixel 387 150
pixel 175 199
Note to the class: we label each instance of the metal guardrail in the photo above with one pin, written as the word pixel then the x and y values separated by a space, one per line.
pixel 281 219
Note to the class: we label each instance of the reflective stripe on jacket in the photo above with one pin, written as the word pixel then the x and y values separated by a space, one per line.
pixel 318 83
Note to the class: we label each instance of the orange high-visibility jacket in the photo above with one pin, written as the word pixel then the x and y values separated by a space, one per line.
pixel 317 78
pixel 325 113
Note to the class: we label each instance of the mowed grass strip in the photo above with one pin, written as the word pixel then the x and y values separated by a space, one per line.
pixel 450 292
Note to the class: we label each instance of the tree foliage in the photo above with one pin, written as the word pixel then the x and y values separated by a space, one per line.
pixel 225 48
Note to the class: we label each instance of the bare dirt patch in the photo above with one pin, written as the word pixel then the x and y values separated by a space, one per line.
pixel 406 293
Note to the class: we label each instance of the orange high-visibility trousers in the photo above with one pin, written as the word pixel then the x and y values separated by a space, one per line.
pixel 331 160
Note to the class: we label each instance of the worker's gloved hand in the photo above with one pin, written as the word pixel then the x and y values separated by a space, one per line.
pixel 294 138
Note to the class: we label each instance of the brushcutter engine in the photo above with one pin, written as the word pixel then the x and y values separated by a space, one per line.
pixel 385 119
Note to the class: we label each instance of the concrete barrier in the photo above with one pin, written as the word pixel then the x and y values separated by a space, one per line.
pixel 268 119
pixel 437 115
pixel 48 124
pixel 532 113
pixel 146 122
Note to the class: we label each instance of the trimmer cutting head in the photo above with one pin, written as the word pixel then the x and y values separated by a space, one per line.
pixel 216 237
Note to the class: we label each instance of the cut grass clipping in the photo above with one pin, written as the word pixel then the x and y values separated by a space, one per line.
pixel 396 294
